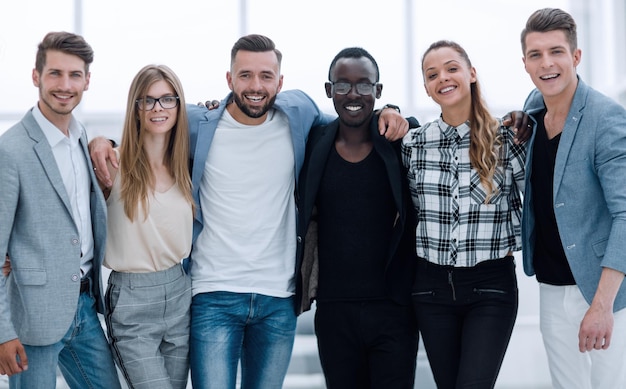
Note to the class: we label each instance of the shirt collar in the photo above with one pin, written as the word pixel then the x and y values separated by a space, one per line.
pixel 52 133
pixel 449 131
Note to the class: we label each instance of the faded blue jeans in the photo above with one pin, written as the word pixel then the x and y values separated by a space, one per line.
pixel 83 356
pixel 228 327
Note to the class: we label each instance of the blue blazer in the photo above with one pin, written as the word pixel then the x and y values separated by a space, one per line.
pixel 39 299
pixel 589 189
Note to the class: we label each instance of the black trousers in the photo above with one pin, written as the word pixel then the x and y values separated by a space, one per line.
pixel 366 344
pixel 466 317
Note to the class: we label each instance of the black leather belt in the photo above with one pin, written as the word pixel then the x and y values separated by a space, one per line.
pixel 84 285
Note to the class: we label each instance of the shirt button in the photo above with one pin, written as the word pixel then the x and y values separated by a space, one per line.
pixel 75 277
pixel 74 241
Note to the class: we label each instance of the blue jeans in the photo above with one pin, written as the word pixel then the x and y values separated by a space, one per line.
pixel 227 327
pixel 83 356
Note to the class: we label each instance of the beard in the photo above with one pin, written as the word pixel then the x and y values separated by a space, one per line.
pixel 253 112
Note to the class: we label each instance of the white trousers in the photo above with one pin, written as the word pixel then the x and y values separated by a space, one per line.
pixel 562 309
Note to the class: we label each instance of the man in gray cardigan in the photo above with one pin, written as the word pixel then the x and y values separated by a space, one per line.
pixel 53 229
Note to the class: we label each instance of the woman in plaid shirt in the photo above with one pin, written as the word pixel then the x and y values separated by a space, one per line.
pixel 466 175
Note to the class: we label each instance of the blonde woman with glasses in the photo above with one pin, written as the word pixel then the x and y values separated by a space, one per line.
pixel 150 213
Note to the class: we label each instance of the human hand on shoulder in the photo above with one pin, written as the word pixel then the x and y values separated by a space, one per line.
pixel 209 104
pixel 522 125
pixel 391 124
pixel 101 151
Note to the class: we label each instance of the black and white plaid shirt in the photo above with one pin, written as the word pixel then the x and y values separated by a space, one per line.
pixel 455 225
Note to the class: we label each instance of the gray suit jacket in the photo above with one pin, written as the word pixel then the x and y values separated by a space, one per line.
pixel 589 189
pixel 39 298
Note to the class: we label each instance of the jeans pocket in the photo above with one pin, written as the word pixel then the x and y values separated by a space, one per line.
pixel 490 290
pixel 423 294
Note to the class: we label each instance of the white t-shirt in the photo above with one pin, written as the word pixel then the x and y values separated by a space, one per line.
pixel 248 242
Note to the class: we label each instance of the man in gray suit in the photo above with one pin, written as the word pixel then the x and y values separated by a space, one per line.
pixel 53 228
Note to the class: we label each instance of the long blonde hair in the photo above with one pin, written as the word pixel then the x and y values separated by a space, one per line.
pixel 138 181
pixel 484 139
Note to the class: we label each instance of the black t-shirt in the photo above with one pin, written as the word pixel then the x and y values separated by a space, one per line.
pixel 550 262
pixel 356 214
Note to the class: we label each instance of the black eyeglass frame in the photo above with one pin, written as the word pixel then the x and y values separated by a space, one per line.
pixel 359 87
pixel 143 103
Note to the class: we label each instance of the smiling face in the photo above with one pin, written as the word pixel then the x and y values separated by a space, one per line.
pixel 448 78
pixel 551 63
pixel 353 108
pixel 160 120
pixel 61 84
pixel 255 81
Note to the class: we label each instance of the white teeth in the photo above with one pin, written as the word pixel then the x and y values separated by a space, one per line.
pixel 63 96
pixel 254 98
pixel 353 108
pixel 158 119
pixel 447 89
pixel 549 76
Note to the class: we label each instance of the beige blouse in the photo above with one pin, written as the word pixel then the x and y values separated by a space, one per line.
pixel 150 244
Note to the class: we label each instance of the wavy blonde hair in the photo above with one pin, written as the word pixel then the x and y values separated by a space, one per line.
pixel 138 181
pixel 484 140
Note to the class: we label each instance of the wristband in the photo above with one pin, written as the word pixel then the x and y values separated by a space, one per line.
pixel 392 106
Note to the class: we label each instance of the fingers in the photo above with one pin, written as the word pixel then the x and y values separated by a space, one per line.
pixel 23 358
pixel 392 125
pixel 6 268
pixel 507 120
pixel 101 151
pixel 523 134
pixel 593 343
pixel 212 104
pixel 209 104
pixel 13 359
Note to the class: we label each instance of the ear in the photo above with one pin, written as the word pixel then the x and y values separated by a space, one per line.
pixel 35 78
pixel 280 84
pixel 329 90
pixel 577 56
pixel 229 80
pixel 379 90
pixel 473 77
pixel 525 65
pixel 87 78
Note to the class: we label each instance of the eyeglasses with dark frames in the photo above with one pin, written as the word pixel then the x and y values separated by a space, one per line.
pixel 362 88
pixel 166 102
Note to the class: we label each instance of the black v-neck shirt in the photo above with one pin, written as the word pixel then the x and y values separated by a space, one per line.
pixel 550 262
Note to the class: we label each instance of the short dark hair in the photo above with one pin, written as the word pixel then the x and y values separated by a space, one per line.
pixel 256 43
pixel 353 52
pixel 65 42
pixel 551 19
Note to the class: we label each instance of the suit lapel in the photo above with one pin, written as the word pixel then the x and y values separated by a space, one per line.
pixel 319 156
pixel 206 131
pixel 48 163
pixel 568 135
pixel 391 162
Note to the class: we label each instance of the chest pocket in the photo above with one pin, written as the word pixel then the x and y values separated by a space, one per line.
pixel 478 193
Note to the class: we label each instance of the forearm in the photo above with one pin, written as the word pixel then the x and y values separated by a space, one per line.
pixel 610 282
